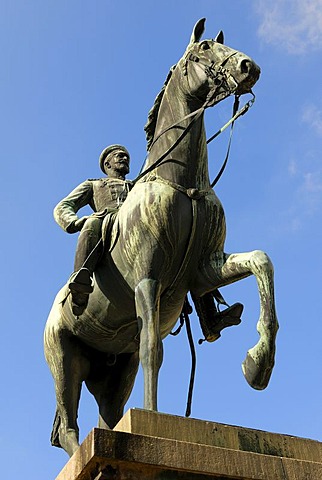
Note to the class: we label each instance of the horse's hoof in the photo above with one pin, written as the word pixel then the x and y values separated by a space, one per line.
pixel 69 441
pixel 257 377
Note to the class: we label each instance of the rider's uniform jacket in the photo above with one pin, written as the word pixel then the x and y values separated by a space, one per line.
pixel 103 195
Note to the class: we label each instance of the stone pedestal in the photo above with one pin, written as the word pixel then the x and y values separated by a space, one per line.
pixel 154 446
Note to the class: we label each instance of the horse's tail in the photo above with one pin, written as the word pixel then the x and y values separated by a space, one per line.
pixel 54 438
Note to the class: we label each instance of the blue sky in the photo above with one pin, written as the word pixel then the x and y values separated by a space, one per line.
pixel 79 75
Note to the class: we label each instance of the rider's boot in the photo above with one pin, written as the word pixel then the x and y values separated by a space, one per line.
pixel 81 286
pixel 213 321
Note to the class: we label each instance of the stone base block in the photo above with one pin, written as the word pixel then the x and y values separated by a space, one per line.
pixel 154 446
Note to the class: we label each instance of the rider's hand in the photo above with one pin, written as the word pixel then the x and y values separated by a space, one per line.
pixel 80 223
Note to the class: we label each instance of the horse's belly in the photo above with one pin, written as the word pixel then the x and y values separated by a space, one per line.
pixel 105 330
pixel 123 340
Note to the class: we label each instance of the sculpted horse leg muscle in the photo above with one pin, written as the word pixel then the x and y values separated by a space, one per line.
pixel 108 377
pixel 224 269
pixel 147 300
pixel 168 239
pixel 69 368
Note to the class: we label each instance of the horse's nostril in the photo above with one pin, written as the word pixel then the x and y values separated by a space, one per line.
pixel 245 66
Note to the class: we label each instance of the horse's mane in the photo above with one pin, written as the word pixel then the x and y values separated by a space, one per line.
pixel 153 113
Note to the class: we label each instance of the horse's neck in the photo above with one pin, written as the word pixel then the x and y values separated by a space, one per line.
pixel 187 164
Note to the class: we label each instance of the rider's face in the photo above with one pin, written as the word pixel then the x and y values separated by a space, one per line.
pixel 118 162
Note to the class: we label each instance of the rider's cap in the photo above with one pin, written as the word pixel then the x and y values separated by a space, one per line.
pixel 109 150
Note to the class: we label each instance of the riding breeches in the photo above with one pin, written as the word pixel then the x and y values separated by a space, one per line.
pixel 89 246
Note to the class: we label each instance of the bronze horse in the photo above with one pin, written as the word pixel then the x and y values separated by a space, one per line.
pixel 168 239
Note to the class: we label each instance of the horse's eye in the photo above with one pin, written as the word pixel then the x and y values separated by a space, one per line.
pixel 204 46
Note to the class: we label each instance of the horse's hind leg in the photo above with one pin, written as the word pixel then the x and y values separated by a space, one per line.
pixel 225 269
pixel 112 387
pixel 69 368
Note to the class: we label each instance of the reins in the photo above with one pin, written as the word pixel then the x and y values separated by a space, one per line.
pixel 236 114
pixel 195 115
pixel 218 74
pixel 219 77
pixel 184 319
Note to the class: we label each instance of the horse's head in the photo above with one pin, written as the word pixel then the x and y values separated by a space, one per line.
pixel 212 68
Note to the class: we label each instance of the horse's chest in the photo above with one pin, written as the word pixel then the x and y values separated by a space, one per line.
pixel 207 225
pixel 163 230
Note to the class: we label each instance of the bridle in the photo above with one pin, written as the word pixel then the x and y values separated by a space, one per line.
pixel 219 75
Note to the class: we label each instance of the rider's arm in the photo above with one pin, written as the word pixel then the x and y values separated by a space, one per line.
pixel 66 210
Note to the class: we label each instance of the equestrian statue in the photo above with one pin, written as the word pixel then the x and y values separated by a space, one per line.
pixel 148 243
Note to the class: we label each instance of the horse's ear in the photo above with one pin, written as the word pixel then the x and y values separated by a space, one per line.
pixel 220 37
pixel 198 31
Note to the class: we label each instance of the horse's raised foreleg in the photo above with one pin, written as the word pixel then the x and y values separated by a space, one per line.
pixel 147 299
pixel 225 269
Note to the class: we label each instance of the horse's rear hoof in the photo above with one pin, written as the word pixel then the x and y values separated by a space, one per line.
pixel 257 377
pixel 68 440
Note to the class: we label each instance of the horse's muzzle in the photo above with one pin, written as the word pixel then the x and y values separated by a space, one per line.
pixel 248 73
